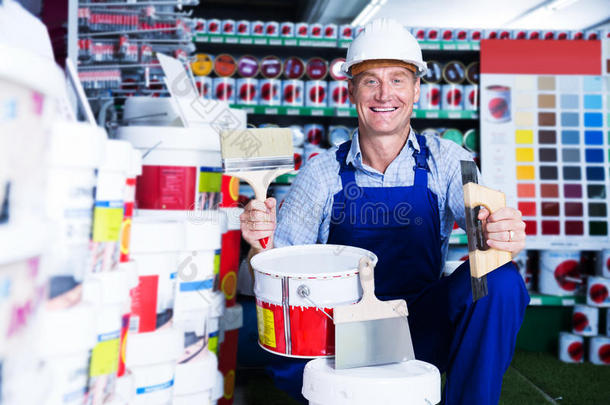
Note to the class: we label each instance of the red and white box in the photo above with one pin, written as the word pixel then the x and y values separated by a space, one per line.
pixel 598 291
pixel 272 28
pixel 585 320
pixel 270 92
pixel 339 95
pixel 223 89
pixel 430 96
pixel 301 30
pixel 331 31
pixel 247 91
pixel 287 29
pixel 599 350
pixel 571 347
pixel 257 28
pixel 452 97
pixel 316 31
pixel 316 93
pixel 228 27
pixel 243 27
pixel 214 26
pixel 293 92
pixel 346 32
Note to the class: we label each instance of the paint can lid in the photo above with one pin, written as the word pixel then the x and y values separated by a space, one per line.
pixel 75 144
pixel 472 73
pixel 294 68
pixel 233 318
pixel 233 221
pixel 161 346
pixel 454 135
pixel 335 69
pixel 316 68
pixel 434 74
pixel 154 235
pixel 225 65
pixel 271 67
pixel 247 66
pixel 203 64
pixel 471 140
pixel 67 331
pixel 454 72
pixel 117 156
pixel 338 134
pixel 196 376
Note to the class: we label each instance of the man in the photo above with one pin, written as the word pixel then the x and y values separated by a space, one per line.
pixel 397 194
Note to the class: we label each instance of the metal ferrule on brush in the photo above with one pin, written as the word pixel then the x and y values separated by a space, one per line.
pixel 257 163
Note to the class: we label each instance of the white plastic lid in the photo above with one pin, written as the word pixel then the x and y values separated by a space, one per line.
pixel 76 144
pixel 23 241
pixel 196 376
pixel 67 331
pixel 202 137
pixel 217 307
pixel 154 235
pixel 164 345
pixel 135 164
pixel 118 156
pixel 107 288
pixel 219 388
pixel 233 214
pixel 414 382
pixel 131 271
pixel 233 318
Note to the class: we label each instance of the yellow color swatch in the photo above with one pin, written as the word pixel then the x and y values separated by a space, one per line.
pixel 525 154
pixel 525 173
pixel 524 136
pixel 524 118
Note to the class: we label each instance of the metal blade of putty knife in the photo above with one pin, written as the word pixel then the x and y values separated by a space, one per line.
pixel 371 332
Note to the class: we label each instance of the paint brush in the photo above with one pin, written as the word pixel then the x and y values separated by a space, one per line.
pixel 257 156
pixel 371 332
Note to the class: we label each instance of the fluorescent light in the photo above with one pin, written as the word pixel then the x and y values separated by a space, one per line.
pixel 364 12
pixel 371 14
pixel 559 4
pixel 368 12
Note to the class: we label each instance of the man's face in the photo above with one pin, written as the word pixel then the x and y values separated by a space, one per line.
pixel 384 99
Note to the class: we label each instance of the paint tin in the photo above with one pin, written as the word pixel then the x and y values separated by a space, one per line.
pixel 339 97
pixel 214 26
pixel 330 31
pixel 310 151
pixel 271 67
pixel 338 134
pixel 272 28
pixel 335 69
pixel 498 104
pixel 314 134
pixel 270 92
pixel 432 34
pixel 452 97
pixel 257 28
pixel 419 33
pixel 519 34
pixel 316 68
pixel 562 35
pixel 230 255
pixel 294 68
pixel 195 380
pixel 293 93
pixel 471 140
pixel 430 98
pixel 247 91
pixel 247 66
pixel 299 160
pixel 577 35
pixel 571 347
pixel 559 272
pixel 287 29
pixel 316 31
pixel 204 86
pixel 453 135
pixel 585 320
pixel 475 35
pixel 534 34
pixel 599 350
pixel 547 35
pixel 490 34
pixel 135 170
pixel 316 93
pixel 224 89
pixel 447 34
pixel 598 291
pixel 301 30
pixel 592 35
pixel 203 64
pixel 471 97
pixel 461 34
pixel 473 73
pixel 454 72
pixel 298 135
pixel 225 65
pixel 346 32
pixel 200 26
pixel 228 27
pixel 504 34
pixel 603 263
pixel 434 74
pixel 243 28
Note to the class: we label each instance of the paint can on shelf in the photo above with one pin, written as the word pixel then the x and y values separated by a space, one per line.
pixel 230 255
pixel 243 27
pixel 247 91
pixel 559 272
pixel 314 134
pixel 257 28
pixel 461 34
pixel 498 105
pixel 203 64
pixel 533 34
pixel 316 30
pixel 298 157
pixel 270 92
pixel 585 320
pixel 204 86
pixel 519 34
pixel 301 30
pixel 471 140
pixel 339 96
pixel 346 32
pixel 224 89
pixel 471 97
pixel 330 31
pixel 598 291
pixel 335 69
pixel 287 29
pixel 561 35
pixel 228 27
pixel 338 134
pixel 490 34
pixel 475 35
pixel 603 263
pixel 272 28
pixel 294 68
pixel 293 93
pixel 271 67
pixel 432 34
pixel 200 26
pixel 577 35
pixel 298 135
pixel 434 74
pixel 599 350
pixel 247 66
pixel 225 65
pixel 419 33
pixel 452 97
pixel 571 347
pixel 430 98
pixel 447 34
pixel 504 34
pixel 214 26
pixel 454 72
pixel 316 93
pixel 316 68
pixel 548 35
pixel 454 135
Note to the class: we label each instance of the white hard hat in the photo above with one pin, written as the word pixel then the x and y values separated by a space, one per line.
pixel 384 38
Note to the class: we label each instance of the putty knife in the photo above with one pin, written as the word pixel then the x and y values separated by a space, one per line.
pixel 371 332
pixel 483 259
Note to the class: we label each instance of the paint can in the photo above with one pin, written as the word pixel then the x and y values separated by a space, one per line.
pixel 247 66
pixel 419 33
pixel 227 359
pixel 316 31
pixel 547 35
pixel 225 65
pixel 228 27
pixel 452 97
pixel 585 320
pixel 335 69
pixel 214 26
pixel 257 28
pixel 430 98
pixel 271 67
pixel 272 28
pixel 287 29
pixel 577 35
pixel 195 380
pixel 490 34
pixel 504 34
pixel 217 309
pixel 330 31
pixel 316 68
pixel 314 134
pixel 603 263
pixel 339 96
pixel 598 291
pixel 338 134
pixel 279 309
pixel 592 35
pixel 559 272
pixel 475 35
pixel 294 68
pixel 471 97
pixel 454 72
pixel 299 155
pixel 346 32
pixel 461 34
pixel 519 34
pixel 298 135
pixel 316 93
pixel 434 74
pixel 599 350
pixel 200 26
pixel 454 135
pixel 224 89
pixel 203 64
pixel 498 104
pixel 230 254
pixel 293 92
pixel 446 34
pixel 471 140
pixel 472 73
pixel 534 34
pixel 414 382
pixel 571 347
pixel 204 86
pixel 301 30
pixel 247 91
pixel 432 34
pixel 562 35
pixel 243 28
pixel 270 92
pixel 151 357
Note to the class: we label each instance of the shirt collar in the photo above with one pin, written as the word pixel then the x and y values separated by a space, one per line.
pixel 354 156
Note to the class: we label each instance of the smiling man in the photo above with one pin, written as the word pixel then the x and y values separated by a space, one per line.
pixel 397 193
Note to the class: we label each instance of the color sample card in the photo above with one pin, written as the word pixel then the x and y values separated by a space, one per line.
pixel 545 137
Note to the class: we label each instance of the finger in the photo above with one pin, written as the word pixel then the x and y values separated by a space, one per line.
pixel 271 204
pixel 503 236
pixel 258 216
pixel 505 213
pixel 483 213
pixel 260 225
pixel 505 225
pixel 255 236
pixel 256 205
pixel 512 247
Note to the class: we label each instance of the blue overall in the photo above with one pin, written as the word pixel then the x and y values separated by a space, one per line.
pixel 472 342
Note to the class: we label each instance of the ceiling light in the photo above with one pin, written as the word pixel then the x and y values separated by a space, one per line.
pixel 368 12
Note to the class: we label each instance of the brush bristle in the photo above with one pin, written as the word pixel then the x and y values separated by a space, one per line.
pixel 256 143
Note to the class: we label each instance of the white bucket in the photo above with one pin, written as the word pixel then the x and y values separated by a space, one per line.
pixel 585 320
pixel 571 348
pixel 327 274
pixel 194 325
pixel 195 380
pixel 125 388
pixel 598 291
pixel 151 357
pixel 599 350
pixel 603 263
pixel 217 309
pixel 559 272
pixel 411 382
pixel 218 390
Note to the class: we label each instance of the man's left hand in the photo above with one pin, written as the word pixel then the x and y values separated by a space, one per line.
pixel 504 229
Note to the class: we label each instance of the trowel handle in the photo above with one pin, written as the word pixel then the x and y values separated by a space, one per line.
pixel 476 195
pixel 367 280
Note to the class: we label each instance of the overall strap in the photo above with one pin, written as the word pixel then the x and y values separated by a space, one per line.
pixel 421 162
pixel 346 171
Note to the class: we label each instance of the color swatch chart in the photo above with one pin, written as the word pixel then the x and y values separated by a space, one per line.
pixel 545 137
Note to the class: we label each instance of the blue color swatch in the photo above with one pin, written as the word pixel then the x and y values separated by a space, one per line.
pixel 594 119
pixel 594 155
pixel 569 119
pixel 593 101
pixel 570 137
pixel 594 137
pixel 569 101
pixel 592 83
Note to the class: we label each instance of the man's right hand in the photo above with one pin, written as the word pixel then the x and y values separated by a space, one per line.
pixel 258 221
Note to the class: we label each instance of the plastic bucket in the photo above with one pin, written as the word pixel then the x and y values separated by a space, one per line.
pixel 194 324
pixel 217 309
pixel 218 388
pixel 410 382
pixel 195 380
pixel 227 359
pixel 229 255
pixel 559 272
pixel 304 282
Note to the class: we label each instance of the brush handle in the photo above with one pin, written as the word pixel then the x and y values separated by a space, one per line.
pixel 367 281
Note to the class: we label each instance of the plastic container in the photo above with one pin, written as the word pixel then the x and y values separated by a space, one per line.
pixel 598 291
pixel 571 347
pixel 411 382
pixel 151 357
pixel 134 170
pixel 229 255
pixel 217 309
pixel 231 322
pixel 599 350
pixel 585 320
pixel 559 272
pixel 218 388
pixel 195 380
pixel 194 324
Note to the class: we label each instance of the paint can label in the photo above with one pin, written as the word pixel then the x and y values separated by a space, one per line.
pixel 452 97
pixel 599 350
pixel 247 91
pixel 214 26
pixel 243 27
pixel 224 89
pixel 559 272
pixel 266 325
pixel 292 92
pixel 471 97
pixel 585 320
pixel 272 29
pixel 228 27
pixel 430 98
pixel 339 96
pixel 166 187
pixel 270 92
pixel 301 30
pixel 316 93
pixel 598 291
pixel 461 34
pixel 287 29
pixel 204 86
pixel 316 30
pixel 247 66
pixel 257 28
pixel 330 31
pixel 447 34
pixel 419 33
pixel 571 348
pixel 298 158
pixel 314 133
pixel 346 32
pixel 432 34
pixel 498 105
pixel 603 263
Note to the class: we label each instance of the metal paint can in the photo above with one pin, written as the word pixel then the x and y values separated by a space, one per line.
pixel 225 65
pixel 534 34
pixel 571 347
pixel 471 97
pixel 314 134
pixel 203 64
pixel 294 68
pixel 271 67
pixel 228 27
pixel 475 35
pixel 598 291
pixel 452 97
pixel 548 35
pixel 519 34
pixel 316 68
pixel 521 262
pixel 204 86
pixel 454 72
pixel 434 74
pixel 257 28
pixel 432 34
pixel 338 134
pixel 287 29
pixel 293 93
pixel 247 66
pixel 270 92
pixel 606 34
pixel 454 135
pixel 346 32
pixel 224 89
pixel 316 93
pixel 559 272
pixel 471 140
pixel 498 104
pixel 585 320
pixel 200 26
pixel 214 26
pixel 473 73
pixel 247 91
pixel 272 28
pixel 461 34
pixel 335 69
pixel 562 35
pixel 447 34
pixel 339 97
pixel 298 135
pixel 419 33
pixel 592 35
pixel 330 31
pixel 577 35
pixel 504 34
pixel 298 157
pixel 243 27
pixel 599 350
pixel 430 98
pixel 316 30
pixel 490 34
pixel 301 30
pixel 312 151
pixel 603 263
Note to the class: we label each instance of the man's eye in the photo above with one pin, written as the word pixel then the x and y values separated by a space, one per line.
pixel 371 81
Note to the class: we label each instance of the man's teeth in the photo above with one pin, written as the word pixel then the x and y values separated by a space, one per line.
pixel 384 109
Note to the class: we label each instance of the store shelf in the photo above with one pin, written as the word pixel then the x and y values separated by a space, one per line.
pixel 458 239
pixel 554 300
pixel 347 112
pixel 286 178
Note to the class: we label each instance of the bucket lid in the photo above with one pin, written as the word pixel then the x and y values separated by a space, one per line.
pixel 413 382
pixel 154 235
pixel 107 288
pixel 233 318
pixel 202 137
pixel 131 271
pixel 219 387
pixel 117 157
pixel 233 221
pixel 76 144
pixel 13 237
pixel 196 376
pixel 161 346
pixel 67 331
pixel 135 164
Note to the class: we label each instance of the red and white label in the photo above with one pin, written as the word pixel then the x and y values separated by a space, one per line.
pixel 167 188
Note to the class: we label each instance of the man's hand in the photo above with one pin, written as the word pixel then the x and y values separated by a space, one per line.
pixel 504 229
pixel 258 221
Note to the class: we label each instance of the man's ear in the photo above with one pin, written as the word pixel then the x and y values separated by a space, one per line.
pixel 416 90
pixel 350 89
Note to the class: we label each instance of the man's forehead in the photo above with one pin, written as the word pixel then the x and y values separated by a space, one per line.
pixel 386 70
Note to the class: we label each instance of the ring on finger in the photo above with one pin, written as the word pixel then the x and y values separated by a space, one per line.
pixel 511 235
